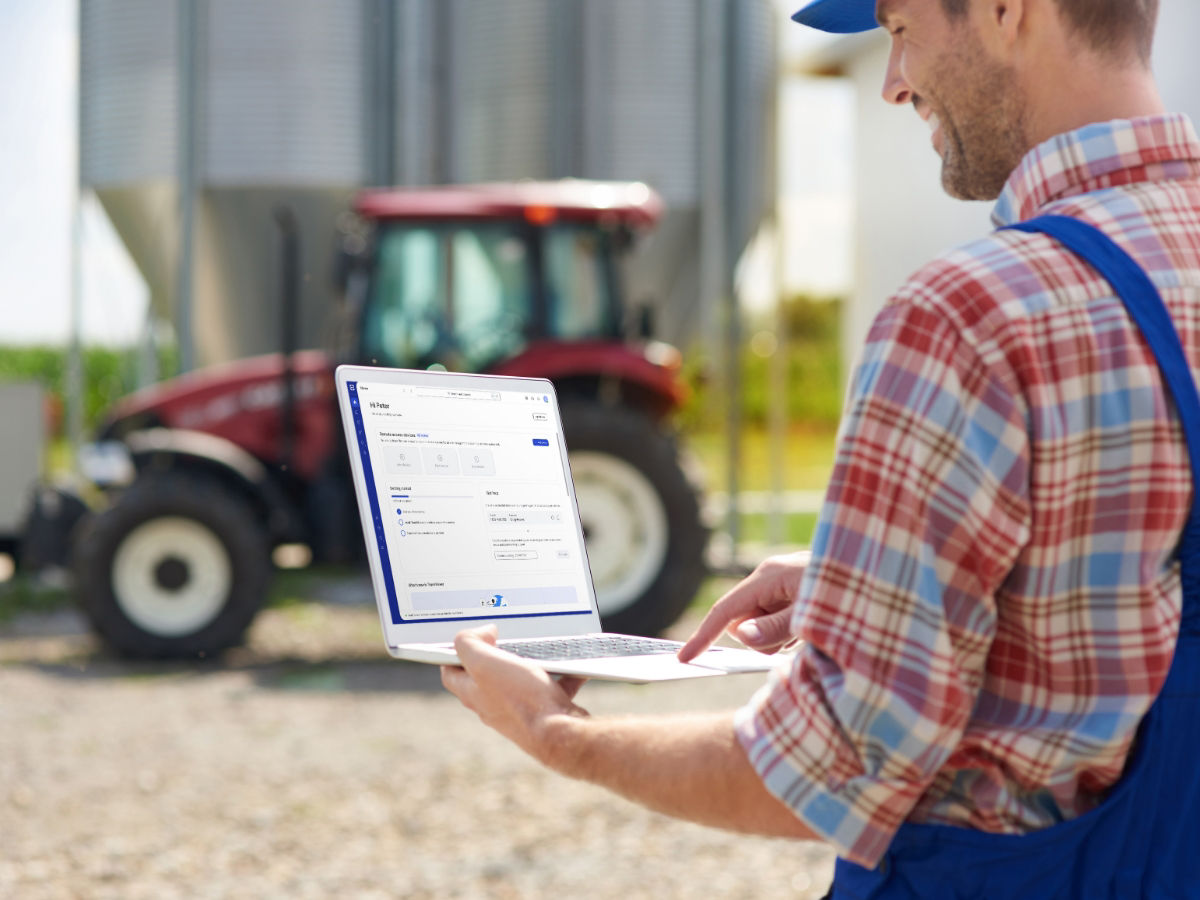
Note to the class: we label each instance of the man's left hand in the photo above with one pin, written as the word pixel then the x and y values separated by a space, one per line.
pixel 509 694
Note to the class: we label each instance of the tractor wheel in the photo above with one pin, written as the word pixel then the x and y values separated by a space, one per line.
pixel 641 519
pixel 176 567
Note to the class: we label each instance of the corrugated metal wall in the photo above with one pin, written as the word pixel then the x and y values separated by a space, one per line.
pixel 500 90
pixel 421 65
pixel 284 88
pixel 640 94
pixel 318 97
pixel 129 91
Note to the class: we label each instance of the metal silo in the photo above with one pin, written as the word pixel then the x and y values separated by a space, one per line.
pixel 612 89
pixel 247 103
pixel 243 104
pixel 127 128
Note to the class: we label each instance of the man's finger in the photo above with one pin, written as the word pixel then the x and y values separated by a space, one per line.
pixel 452 677
pixel 488 665
pixel 708 631
pixel 485 634
pixel 570 684
pixel 456 680
pixel 766 633
pixel 475 644
pixel 724 613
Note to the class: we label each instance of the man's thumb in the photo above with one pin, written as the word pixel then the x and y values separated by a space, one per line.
pixel 766 632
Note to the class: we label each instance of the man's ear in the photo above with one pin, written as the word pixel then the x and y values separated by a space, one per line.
pixel 1003 21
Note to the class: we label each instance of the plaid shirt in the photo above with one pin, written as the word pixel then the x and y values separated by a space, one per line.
pixel 993 602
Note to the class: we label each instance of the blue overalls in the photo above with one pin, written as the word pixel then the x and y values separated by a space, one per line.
pixel 1144 839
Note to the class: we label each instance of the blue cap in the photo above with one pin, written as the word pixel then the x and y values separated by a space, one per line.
pixel 838 16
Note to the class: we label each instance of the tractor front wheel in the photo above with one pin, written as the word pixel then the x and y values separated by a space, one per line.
pixel 641 519
pixel 176 567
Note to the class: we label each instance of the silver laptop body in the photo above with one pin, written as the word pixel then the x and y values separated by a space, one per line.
pixel 470 517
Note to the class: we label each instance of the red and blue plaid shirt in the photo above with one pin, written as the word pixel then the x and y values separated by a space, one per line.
pixel 993 601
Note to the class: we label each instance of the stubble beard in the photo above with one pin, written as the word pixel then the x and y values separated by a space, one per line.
pixel 982 118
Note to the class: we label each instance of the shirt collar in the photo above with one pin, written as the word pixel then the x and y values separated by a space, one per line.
pixel 1105 154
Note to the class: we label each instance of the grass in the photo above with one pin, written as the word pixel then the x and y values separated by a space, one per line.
pixel 711 590
pixel 23 594
pixel 291 588
pixel 797 528
pixel 807 461
pixel 807 458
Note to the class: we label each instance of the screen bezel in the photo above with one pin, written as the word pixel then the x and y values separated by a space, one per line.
pixel 405 632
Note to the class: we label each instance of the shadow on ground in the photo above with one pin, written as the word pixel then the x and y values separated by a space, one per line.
pixel 302 646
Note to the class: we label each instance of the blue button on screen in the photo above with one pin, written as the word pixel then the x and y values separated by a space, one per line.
pixel 541 442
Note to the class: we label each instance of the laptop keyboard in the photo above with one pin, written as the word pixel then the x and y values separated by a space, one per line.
pixel 590 647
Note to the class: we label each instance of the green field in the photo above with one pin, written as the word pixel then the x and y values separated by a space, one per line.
pixel 807 453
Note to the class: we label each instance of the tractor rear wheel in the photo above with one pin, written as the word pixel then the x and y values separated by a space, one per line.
pixel 176 567
pixel 641 518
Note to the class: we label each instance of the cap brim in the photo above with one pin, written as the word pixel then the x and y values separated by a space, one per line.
pixel 838 16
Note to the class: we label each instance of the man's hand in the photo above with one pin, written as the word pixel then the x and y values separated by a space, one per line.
pixel 757 611
pixel 689 766
pixel 509 694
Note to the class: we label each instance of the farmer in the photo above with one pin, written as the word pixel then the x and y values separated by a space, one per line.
pixel 1001 566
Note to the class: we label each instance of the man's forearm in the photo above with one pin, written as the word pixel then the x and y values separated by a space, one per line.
pixel 691 767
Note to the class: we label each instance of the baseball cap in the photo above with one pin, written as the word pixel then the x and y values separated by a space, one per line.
pixel 838 16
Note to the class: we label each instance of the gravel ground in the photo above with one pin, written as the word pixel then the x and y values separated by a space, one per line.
pixel 309 764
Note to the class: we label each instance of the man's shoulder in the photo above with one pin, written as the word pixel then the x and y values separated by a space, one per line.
pixel 997 275
pixel 1025 273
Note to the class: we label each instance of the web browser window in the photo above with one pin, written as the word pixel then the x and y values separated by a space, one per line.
pixel 470 501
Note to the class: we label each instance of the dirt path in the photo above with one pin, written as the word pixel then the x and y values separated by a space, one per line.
pixel 308 764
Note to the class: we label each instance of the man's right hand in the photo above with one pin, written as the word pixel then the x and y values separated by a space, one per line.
pixel 757 611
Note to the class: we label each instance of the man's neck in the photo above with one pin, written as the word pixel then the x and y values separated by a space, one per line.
pixel 1068 84
pixel 1127 94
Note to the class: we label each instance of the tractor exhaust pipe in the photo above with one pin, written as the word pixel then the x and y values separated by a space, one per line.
pixel 289 307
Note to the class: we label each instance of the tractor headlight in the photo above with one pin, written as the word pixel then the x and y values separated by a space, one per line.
pixel 663 354
pixel 106 464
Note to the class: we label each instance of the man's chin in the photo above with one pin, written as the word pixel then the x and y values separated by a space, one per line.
pixel 961 186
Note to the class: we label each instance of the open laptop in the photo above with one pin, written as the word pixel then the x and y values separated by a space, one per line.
pixel 470 517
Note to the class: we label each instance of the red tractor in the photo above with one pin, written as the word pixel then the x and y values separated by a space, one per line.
pixel 212 471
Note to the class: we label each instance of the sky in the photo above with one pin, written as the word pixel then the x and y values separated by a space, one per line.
pixel 38 124
pixel 38 53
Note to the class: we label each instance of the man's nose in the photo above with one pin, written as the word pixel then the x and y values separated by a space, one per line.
pixel 895 88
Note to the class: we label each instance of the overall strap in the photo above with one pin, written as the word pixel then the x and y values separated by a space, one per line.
pixel 1142 840
pixel 1146 308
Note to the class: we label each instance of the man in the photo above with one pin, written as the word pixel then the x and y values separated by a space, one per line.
pixel 994 597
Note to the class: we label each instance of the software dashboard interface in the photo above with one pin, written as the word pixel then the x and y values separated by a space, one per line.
pixel 470 502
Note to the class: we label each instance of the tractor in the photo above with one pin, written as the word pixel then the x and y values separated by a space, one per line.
pixel 207 474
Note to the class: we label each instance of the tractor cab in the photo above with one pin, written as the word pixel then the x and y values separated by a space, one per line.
pixel 472 277
pixel 525 279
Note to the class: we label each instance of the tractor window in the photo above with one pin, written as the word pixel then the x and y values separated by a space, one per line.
pixel 401 327
pixel 491 294
pixel 455 296
pixel 578 292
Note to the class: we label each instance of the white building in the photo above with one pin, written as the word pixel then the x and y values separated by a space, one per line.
pixel 901 216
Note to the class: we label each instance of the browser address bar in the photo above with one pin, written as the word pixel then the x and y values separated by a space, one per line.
pixel 458 395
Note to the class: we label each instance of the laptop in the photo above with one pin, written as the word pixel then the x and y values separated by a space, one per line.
pixel 470 518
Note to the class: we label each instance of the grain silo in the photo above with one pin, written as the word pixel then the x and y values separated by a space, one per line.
pixel 199 116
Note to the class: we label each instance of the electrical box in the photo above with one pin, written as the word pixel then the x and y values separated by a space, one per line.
pixel 22 451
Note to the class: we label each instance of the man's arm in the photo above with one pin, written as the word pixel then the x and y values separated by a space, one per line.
pixel 691 767
pixel 688 766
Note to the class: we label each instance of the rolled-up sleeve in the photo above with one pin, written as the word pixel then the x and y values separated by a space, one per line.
pixel 925 513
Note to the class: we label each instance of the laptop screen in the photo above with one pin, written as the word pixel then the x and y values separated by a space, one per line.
pixel 469 496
